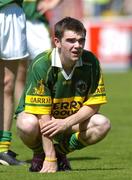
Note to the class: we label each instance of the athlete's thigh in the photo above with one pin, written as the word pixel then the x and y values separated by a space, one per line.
pixel 2 72
pixel 11 66
pixel 10 71
pixel 22 70
pixel 95 120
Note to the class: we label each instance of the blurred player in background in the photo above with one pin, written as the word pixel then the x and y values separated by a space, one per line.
pixel 13 49
pixel 38 35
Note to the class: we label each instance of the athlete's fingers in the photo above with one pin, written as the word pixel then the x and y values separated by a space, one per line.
pixel 49 131
pixel 47 127
pixel 53 133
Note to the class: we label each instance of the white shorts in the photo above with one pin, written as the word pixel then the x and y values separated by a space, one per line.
pixel 38 38
pixel 13 43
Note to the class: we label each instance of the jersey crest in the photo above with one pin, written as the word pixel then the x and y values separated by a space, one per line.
pixel 39 90
pixel 81 86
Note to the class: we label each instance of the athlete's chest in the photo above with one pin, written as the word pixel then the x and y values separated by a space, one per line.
pixel 78 85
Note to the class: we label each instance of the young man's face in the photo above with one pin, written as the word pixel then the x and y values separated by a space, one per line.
pixel 71 45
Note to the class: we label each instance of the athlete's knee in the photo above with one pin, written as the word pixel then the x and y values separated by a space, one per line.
pixel 102 122
pixel 8 85
pixel 27 123
pixel 105 122
pixel 97 128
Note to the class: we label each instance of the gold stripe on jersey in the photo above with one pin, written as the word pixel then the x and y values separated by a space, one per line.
pixel 37 109
pixel 76 98
pixel 96 100
pixel 38 99
pixel 99 97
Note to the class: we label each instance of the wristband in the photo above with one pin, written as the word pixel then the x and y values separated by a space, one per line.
pixel 50 159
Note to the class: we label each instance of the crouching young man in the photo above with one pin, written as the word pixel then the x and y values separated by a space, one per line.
pixel 59 110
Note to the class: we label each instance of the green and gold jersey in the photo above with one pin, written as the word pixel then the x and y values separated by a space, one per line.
pixel 5 2
pixel 31 12
pixel 48 91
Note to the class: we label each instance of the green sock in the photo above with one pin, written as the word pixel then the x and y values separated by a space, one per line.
pixel 70 144
pixel 76 143
pixel 5 140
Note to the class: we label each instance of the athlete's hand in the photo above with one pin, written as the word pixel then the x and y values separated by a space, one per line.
pixel 45 5
pixel 49 167
pixel 53 127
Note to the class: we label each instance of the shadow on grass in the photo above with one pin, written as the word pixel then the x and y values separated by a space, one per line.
pixel 28 161
pixel 83 158
pixel 92 169
pixel 88 169
pixel 75 159
pixel 99 169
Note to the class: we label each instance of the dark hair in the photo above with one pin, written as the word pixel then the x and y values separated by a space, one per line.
pixel 68 23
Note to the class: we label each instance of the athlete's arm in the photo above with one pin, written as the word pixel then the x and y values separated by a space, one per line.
pixel 56 126
pixel 50 162
pixel 45 5
pixel 83 114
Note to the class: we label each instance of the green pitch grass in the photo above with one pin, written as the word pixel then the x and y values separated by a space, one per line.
pixel 111 159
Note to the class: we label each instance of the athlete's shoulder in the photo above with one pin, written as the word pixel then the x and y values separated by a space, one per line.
pixel 44 57
pixel 43 60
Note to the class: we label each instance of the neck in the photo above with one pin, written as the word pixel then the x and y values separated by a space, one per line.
pixel 67 65
pixel 67 70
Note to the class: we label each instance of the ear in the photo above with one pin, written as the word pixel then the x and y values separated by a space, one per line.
pixel 57 42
